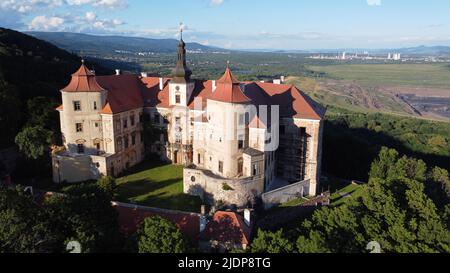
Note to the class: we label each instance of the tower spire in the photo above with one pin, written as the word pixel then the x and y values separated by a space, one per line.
pixel 181 73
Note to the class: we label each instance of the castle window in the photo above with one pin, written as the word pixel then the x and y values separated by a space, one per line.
pixel 241 142
pixel 95 105
pixel 241 119
pixel 199 158
pixel 80 148
pixel 126 142
pixel 79 127
pixel 125 123
pixel 240 166
pixel 177 99
pixel 119 143
pixel 132 121
pixel 178 121
pixel 220 167
pixel 77 106
pixel 156 118
pixel 255 169
pixel 133 139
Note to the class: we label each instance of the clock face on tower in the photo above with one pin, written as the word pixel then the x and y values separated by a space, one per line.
pixel 177 88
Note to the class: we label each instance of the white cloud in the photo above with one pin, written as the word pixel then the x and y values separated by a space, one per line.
pixel 25 6
pixel 46 23
pixel 91 16
pixel 215 3
pixel 111 4
pixel 374 2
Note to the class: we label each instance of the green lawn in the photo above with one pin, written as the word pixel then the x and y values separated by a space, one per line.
pixel 338 199
pixel 156 185
pixel 424 75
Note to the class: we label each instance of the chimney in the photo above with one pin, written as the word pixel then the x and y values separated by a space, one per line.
pixel 117 72
pixel 214 85
pixel 247 217
pixel 283 79
pixel 161 83
pixel 144 74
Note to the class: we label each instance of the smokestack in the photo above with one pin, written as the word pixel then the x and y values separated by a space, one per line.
pixel 161 83
pixel 117 72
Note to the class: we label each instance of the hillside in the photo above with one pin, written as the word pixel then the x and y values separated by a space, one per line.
pixel 30 68
pixel 100 45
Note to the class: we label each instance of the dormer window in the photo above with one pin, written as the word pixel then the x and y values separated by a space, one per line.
pixel 77 105
pixel 177 98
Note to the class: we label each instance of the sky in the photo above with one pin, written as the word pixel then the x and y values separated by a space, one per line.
pixel 244 24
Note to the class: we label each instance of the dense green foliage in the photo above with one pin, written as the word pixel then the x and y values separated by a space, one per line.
pixel 352 141
pixel 34 141
pixel 271 242
pixel 157 235
pixel 24 227
pixel 84 214
pixel 404 207
pixel 108 185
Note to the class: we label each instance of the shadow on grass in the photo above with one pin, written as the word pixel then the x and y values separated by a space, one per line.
pixel 143 187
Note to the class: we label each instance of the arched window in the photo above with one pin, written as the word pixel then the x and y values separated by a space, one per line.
pixel 177 98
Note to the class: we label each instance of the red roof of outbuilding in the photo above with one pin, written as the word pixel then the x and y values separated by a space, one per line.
pixel 83 81
pixel 131 217
pixel 227 227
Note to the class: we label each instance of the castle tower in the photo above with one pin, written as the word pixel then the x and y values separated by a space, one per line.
pixel 228 120
pixel 83 99
pixel 181 86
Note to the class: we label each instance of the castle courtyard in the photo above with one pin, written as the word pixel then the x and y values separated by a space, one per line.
pixel 156 184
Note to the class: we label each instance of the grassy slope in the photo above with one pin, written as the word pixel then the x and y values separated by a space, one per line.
pixel 156 185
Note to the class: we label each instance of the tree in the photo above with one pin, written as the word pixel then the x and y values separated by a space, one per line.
pixel 34 141
pixel 24 226
pixel 394 210
pixel 9 113
pixel 271 242
pixel 85 214
pixel 108 185
pixel 158 235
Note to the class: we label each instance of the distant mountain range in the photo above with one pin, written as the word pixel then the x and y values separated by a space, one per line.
pixel 95 44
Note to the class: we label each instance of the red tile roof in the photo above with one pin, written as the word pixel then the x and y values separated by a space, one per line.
pixel 124 93
pixel 128 92
pixel 227 227
pixel 83 81
pixel 229 90
pixel 130 217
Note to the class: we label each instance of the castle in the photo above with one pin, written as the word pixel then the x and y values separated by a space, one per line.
pixel 236 139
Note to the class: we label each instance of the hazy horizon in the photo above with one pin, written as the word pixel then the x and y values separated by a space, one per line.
pixel 250 24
